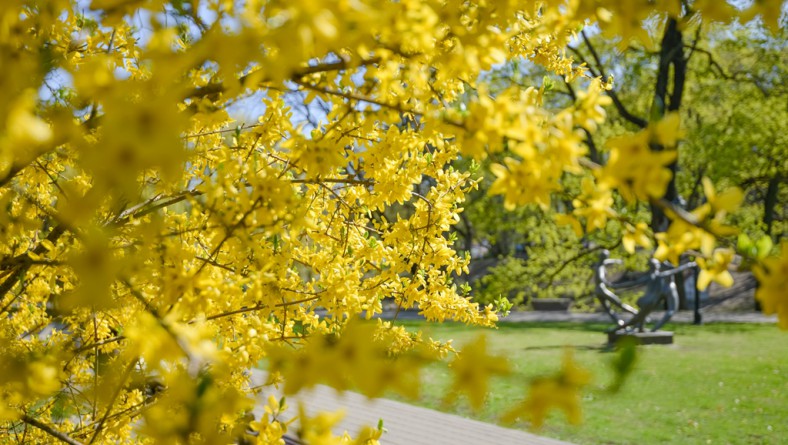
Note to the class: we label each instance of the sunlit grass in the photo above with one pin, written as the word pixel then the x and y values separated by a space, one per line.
pixel 718 384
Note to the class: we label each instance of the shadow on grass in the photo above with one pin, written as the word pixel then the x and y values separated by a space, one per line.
pixel 603 347
pixel 563 325
pixel 717 328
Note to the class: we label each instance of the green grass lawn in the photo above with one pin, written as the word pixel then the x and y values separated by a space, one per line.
pixel 718 384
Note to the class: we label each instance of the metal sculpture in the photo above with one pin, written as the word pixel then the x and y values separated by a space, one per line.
pixel 661 293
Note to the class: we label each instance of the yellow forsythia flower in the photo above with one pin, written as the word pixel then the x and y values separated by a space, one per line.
pixel 715 269
pixel 560 391
pixel 636 235
pixel 637 172
pixel 772 291
pixel 595 204
pixel 472 370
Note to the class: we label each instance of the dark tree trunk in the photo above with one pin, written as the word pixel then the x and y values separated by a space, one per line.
pixel 467 233
pixel 671 61
pixel 770 202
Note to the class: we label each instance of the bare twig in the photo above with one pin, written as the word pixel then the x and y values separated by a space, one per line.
pixel 622 110
pixel 115 395
pixel 342 64
pixel 554 273
pixel 59 435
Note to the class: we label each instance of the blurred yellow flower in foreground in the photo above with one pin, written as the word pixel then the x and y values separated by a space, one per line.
pixel 772 291
pixel 472 370
pixel 560 391
pixel 715 269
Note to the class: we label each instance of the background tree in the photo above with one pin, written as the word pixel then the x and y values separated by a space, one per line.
pixel 718 83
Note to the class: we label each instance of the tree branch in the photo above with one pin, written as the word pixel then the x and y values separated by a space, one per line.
pixel 593 152
pixel 257 307
pixel 216 88
pixel 25 264
pixel 350 181
pixel 358 98
pixel 61 436
pixel 157 202
pixel 554 273
pixel 114 397
pixel 622 110
pixel 671 61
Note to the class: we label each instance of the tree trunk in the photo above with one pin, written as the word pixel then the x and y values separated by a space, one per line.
pixel 671 61
pixel 467 234
pixel 770 202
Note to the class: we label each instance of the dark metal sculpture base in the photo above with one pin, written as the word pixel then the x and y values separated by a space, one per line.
pixel 642 338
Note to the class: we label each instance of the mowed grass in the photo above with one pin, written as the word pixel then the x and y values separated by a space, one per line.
pixel 718 384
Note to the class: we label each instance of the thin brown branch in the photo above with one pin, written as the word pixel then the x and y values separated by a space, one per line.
pixel 359 98
pixel 132 411
pixel 216 88
pixel 99 343
pixel 59 435
pixel 257 307
pixel 554 273
pixel 226 130
pixel 593 152
pixel 717 69
pixel 22 269
pixel 622 110
pixel 351 181
pixel 157 202
pixel 112 399
pixel 215 264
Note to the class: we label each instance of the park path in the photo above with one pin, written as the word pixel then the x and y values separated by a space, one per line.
pixel 596 317
pixel 678 317
pixel 405 424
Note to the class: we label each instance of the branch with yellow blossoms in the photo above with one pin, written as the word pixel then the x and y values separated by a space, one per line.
pixel 154 250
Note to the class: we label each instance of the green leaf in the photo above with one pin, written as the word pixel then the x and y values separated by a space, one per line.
pixel 624 362
pixel 763 247
pixel 745 243
pixel 502 305
pixel 548 83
